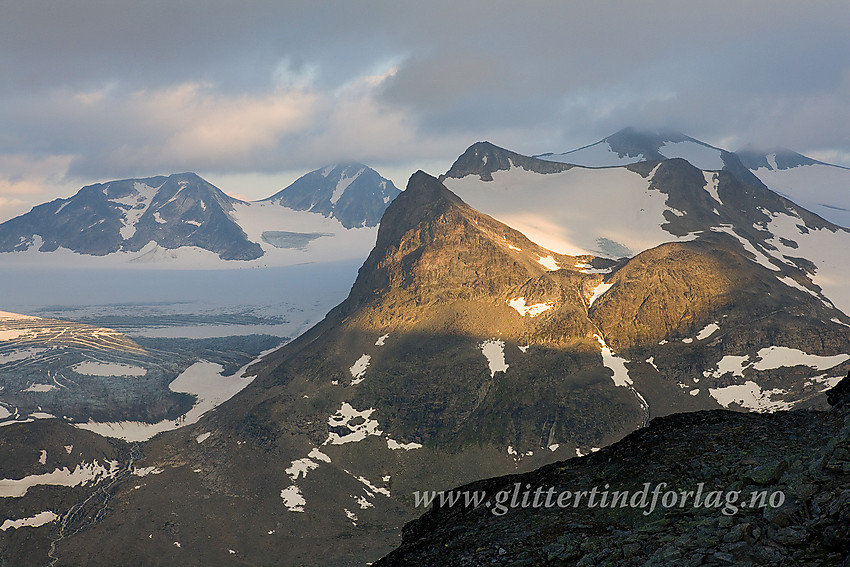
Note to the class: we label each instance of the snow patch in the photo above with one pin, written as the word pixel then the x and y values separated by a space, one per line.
pixel 621 374
pixel 20 354
pixel 494 351
pixel 81 475
pixel 707 331
pixel 12 334
pixel 749 395
pixel 825 248
pixel 138 203
pixel 598 291
pixel 371 488
pixel 356 432
pixel 108 369
pixel 518 303
pixel 358 371
pixel 824 381
pixel 293 499
pixel 819 188
pixel 616 206
pixel 382 340
pixel 599 154
pixel 395 445
pixel 36 521
pixel 729 363
pixel 761 258
pixel 343 184
pixel 203 380
pixel 700 156
pixel 548 262
pixel 790 282
pixel 712 181
pixel 40 388
pixel 614 363
pixel 145 471
pixel 203 437
pixel 777 357
pixel 16 316
pixel 301 467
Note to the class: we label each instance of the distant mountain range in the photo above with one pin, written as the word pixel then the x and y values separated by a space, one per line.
pixel 180 216
pixel 514 312
pixel 819 187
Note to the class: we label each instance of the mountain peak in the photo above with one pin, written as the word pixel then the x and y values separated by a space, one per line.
pixel 353 193
pixel 773 158
pixel 648 143
pixel 172 211
pixel 424 199
pixel 485 158
pixel 432 244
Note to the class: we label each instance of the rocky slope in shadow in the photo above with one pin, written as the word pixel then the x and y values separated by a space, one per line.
pixel 765 489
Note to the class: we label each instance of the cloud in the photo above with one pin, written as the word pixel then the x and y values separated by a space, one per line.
pixel 26 180
pixel 194 126
pixel 120 89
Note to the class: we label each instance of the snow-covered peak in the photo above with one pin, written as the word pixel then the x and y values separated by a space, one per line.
pixel 631 146
pixel 351 192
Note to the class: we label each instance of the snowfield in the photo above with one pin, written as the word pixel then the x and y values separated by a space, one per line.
pixel 600 154
pixel 82 474
pixel 608 212
pixel 203 380
pixel 820 188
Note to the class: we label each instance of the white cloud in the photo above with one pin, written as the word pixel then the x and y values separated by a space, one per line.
pixel 267 88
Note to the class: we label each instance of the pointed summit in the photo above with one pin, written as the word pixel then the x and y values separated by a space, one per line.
pixel 352 193
pixel 432 244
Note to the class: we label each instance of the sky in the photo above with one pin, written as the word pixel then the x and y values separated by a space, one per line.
pixel 252 94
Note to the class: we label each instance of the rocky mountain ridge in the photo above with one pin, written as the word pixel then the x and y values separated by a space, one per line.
pixel 820 187
pixel 155 219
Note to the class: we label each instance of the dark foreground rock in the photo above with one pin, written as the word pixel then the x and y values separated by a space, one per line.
pixel 774 489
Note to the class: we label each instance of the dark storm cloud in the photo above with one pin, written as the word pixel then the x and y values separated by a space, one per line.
pixel 103 89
